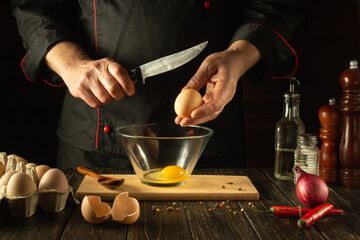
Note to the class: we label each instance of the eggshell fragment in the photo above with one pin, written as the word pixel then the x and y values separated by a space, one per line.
pixel 20 184
pixel 41 170
pixel 186 102
pixel 94 211
pixel 125 210
pixel 54 179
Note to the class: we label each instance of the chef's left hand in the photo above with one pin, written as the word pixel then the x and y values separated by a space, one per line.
pixel 220 72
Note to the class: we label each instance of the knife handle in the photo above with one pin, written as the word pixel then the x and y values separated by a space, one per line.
pixel 136 75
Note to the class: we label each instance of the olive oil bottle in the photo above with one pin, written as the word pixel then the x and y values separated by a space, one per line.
pixel 286 132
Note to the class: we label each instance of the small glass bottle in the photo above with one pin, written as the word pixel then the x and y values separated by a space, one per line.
pixel 286 132
pixel 307 154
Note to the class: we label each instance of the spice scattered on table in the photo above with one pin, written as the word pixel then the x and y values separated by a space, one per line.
pixel 227 204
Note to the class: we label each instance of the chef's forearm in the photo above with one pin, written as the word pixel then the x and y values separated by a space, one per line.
pixel 64 56
pixel 247 52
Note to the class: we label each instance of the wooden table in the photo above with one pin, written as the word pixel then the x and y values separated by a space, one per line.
pixel 196 221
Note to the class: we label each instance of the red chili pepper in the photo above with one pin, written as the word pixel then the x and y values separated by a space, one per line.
pixel 314 215
pixel 294 211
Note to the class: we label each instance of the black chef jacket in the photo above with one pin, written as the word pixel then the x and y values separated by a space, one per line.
pixel 134 32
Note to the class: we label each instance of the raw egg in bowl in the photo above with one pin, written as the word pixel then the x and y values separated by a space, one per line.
pixel 163 154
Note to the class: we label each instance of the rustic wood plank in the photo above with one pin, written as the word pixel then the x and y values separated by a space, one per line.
pixel 351 195
pixel 265 225
pixel 330 226
pixel 219 223
pixel 41 225
pixel 166 224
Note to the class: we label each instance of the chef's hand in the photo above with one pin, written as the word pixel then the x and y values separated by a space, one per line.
pixel 220 72
pixel 94 81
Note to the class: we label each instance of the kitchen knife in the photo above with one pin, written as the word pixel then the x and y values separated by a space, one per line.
pixel 166 63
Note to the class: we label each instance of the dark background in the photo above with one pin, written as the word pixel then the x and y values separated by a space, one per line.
pixel 325 44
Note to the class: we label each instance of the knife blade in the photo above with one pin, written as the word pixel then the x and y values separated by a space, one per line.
pixel 166 63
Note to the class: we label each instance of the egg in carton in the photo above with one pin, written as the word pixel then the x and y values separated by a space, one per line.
pixel 26 186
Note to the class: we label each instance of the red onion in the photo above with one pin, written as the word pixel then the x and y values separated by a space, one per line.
pixel 311 190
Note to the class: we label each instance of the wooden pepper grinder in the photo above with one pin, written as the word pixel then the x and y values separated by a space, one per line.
pixel 330 118
pixel 350 139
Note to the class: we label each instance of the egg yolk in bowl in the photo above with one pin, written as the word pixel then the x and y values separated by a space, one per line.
pixel 166 175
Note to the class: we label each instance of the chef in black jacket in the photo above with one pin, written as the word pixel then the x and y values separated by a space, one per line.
pixel 88 46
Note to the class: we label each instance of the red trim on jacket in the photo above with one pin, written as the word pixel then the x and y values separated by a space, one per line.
pixel 287 44
pixel 22 68
pixel 97 128
pixel 98 110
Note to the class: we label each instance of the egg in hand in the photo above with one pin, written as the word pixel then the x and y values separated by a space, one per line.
pixel 186 102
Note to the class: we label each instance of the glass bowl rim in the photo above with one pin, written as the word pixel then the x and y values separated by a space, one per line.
pixel 118 129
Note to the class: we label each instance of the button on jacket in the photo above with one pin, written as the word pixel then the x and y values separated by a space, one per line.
pixel 134 32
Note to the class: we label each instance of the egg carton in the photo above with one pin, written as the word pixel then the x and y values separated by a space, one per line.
pixel 25 206
pixel 48 200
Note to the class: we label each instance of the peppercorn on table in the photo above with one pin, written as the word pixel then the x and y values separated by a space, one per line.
pixel 220 219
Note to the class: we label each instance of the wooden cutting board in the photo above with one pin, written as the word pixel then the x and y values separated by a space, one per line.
pixel 198 187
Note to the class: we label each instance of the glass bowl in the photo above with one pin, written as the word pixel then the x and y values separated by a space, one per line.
pixel 163 154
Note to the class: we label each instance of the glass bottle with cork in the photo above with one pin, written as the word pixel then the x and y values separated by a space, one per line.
pixel 286 132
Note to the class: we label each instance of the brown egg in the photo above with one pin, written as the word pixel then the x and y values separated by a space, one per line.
pixel 20 184
pixel 94 211
pixel 2 169
pixel 5 178
pixel 18 159
pixel 186 102
pixel 54 179
pixel 41 170
pixel 31 165
pixel 125 210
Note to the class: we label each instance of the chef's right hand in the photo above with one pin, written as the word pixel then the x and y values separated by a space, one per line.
pixel 95 81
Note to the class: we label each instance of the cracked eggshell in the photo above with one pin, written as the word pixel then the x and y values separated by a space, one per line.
pixel 125 210
pixel 54 179
pixel 41 170
pixel 20 185
pixel 94 211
